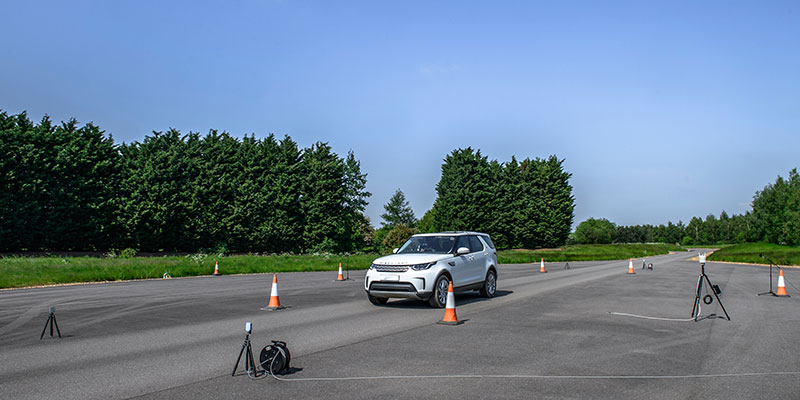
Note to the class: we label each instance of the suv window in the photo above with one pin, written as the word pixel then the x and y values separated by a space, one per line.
pixel 488 240
pixel 461 241
pixel 475 244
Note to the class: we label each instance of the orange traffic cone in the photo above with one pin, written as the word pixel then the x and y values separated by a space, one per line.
pixel 450 317
pixel 541 268
pixel 630 267
pixel 781 285
pixel 340 277
pixel 216 269
pixel 274 301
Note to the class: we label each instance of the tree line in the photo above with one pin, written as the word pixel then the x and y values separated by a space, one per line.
pixel 72 188
pixel 526 203
pixel 774 218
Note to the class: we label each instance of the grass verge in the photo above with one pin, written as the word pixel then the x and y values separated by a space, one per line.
pixel 750 253
pixel 586 252
pixel 38 271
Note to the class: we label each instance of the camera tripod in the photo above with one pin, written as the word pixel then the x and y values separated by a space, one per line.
pixel 707 299
pixel 249 361
pixel 770 276
pixel 51 320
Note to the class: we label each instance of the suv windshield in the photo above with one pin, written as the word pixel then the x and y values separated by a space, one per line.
pixel 428 244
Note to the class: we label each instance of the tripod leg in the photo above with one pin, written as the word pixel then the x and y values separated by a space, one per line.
pixel 718 300
pixel 51 324
pixel 235 366
pixel 252 361
pixel 697 296
pixel 45 328
pixel 57 330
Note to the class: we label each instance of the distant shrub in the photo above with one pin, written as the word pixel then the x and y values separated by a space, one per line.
pixel 397 236
pixel 197 258
pixel 128 253
pixel 595 231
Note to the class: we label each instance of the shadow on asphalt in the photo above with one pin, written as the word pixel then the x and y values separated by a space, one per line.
pixel 461 298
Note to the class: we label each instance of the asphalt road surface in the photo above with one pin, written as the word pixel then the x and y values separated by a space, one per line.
pixel 553 335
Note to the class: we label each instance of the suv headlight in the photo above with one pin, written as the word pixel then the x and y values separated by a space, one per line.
pixel 420 267
pixel 372 266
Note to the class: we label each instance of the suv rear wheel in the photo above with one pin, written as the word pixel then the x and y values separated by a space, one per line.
pixel 490 284
pixel 439 298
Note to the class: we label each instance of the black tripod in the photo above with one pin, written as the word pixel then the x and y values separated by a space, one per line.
pixel 707 299
pixel 249 361
pixel 770 276
pixel 51 320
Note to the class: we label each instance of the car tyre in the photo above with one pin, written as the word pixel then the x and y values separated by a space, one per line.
pixel 439 298
pixel 489 288
pixel 378 301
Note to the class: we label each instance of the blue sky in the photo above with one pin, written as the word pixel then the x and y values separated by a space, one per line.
pixel 662 110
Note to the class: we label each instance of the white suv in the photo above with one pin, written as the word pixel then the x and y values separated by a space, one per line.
pixel 424 266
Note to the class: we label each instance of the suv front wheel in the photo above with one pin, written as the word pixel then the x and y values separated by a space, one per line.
pixel 378 301
pixel 439 298
pixel 490 284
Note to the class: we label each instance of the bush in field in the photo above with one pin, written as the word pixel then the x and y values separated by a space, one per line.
pixel 128 253
pixel 595 231
pixel 397 236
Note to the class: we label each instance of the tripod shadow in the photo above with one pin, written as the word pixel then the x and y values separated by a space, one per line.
pixel 710 316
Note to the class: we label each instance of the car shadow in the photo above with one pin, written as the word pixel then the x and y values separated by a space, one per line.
pixel 461 298
pixel 475 297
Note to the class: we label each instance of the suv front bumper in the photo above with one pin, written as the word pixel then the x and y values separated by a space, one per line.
pixel 410 287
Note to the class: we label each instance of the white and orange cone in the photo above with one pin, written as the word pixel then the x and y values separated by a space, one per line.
pixel 781 285
pixel 340 277
pixel 216 269
pixel 541 268
pixel 630 267
pixel 450 317
pixel 274 301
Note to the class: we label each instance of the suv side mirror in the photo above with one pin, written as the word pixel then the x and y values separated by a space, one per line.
pixel 462 251
pixel 395 250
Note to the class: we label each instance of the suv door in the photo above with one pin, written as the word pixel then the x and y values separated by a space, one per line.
pixel 460 266
pixel 477 260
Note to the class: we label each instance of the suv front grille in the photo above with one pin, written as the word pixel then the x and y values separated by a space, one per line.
pixel 393 287
pixel 391 268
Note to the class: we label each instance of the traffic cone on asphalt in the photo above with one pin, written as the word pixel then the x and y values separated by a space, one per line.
pixel 450 317
pixel 216 269
pixel 340 277
pixel 781 285
pixel 541 268
pixel 630 267
pixel 274 301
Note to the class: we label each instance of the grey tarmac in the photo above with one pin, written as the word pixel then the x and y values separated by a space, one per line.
pixel 544 336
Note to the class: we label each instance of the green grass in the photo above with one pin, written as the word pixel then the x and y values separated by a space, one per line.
pixel 749 253
pixel 37 271
pixel 711 246
pixel 590 252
